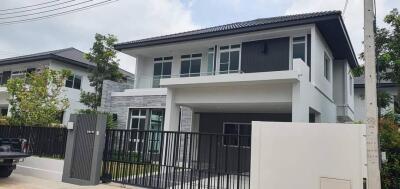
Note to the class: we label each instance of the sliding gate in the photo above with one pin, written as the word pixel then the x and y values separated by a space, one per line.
pixel 164 159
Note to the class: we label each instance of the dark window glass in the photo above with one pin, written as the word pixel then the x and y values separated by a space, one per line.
pixel 231 134
pixel 69 82
pixel 224 47
pixel 235 46
pixel 244 135
pixel 157 69
pixel 185 68
pixel 4 111
pixel 196 55
pixel 157 59
pixel 77 82
pixel 31 70
pixel 168 58
pixel 299 51
pixel 234 61
pixel 166 69
pixel 327 62
pixel 195 67
pixel 185 56
pixel 299 39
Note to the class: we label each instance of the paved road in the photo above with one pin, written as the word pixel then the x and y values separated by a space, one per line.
pixel 17 181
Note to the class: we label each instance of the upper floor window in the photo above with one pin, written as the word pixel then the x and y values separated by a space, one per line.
pixel 229 59
pixel 190 65
pixel 299 48
pixel 73 81
pixel 327 66
pixel 162 69
pixel 210 61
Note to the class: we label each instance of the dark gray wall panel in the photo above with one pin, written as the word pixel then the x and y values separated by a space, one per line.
pixel 265 55
pixel 232 158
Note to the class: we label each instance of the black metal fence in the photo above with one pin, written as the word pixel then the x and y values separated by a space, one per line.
pixel 164 159
pixel 42 141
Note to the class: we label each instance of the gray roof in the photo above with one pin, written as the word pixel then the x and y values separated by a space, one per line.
pixel 227 27
pixel 359 82
pixel 68 55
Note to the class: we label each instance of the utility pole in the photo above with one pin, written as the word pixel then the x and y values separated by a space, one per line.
pixel 373 162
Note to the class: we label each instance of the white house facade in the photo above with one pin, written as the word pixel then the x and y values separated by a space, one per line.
pixel 70 58
pixel 219 79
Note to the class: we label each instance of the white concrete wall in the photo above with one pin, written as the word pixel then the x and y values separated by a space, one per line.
pixel 46 168
pixel 72 94
pixel 318 47
pixel 303 155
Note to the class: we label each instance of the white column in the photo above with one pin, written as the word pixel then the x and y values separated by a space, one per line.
pixel 172 112
pixel 300 106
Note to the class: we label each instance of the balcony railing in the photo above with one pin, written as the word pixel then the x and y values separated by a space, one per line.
pixel 156 79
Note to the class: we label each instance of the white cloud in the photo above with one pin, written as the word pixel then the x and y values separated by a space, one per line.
pixel 127 19
pixel 353 17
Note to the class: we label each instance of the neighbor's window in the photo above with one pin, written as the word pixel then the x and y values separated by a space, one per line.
pixel 229 59
pixel 18 74
pixel 299 48
pixel 190 65
pixel 73 81
pixel 162 69
pixel 237 134
pixel 3 111
pixel 327 66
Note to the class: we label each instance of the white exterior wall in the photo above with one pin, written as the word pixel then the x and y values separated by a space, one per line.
pixel 72 94
pixel 318 47
pixel 359 102
pixel 307 156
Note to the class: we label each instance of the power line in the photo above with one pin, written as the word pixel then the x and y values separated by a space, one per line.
pixel 51 10
pixel 29 6
pixel 59 14
pixel 345 7
pixel 36 8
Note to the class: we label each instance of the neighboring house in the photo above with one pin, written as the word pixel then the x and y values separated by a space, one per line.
pixel 69 58
pixel 359 97
pixel 219 79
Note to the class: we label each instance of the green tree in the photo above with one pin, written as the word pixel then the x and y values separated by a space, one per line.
pixel 104 56
pixel 37 98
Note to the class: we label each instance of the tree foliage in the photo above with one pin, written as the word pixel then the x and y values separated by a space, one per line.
pixel 36 99
pixel 104 56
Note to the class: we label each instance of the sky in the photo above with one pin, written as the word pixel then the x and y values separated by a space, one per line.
pixel 136 19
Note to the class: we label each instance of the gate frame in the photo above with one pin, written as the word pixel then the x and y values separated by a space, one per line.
pixel 97 156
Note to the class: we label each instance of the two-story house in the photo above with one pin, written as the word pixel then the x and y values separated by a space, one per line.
pixel 217 80
pixel 69 58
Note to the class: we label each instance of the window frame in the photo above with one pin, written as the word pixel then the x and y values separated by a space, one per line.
pixel 74 76
pixel 351 85
pixel 190 59
pixel 162 61
pixel 238 124
pixel 327 66
pixel 292 43
pixel 229 50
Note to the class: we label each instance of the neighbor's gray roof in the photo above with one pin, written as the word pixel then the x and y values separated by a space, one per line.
pixel 256 25
pixel 359 82
pixel 68 55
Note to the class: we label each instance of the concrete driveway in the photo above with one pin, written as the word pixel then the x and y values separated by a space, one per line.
pixel 17 181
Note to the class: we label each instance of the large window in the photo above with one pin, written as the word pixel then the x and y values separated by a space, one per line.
pixel 73 81
pixel 162 69
pixel 229 59
pixel 327 66
pixel 299 48
pixel 237 134
pixel 190 65
pixel 144 119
